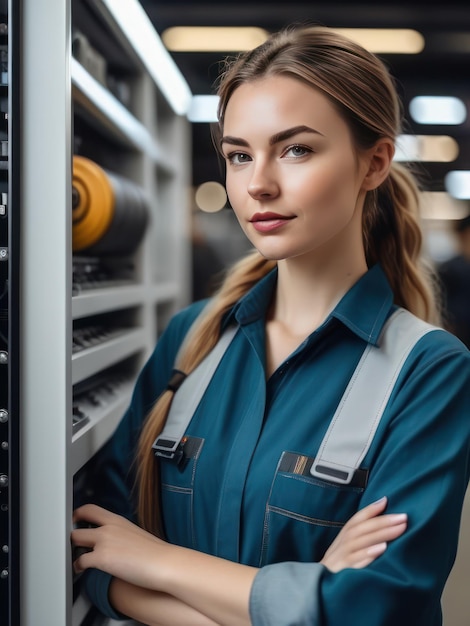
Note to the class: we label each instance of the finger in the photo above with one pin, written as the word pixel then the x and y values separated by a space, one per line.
pixel 374 524
pixel 365 557
pixel 368 557
pixel 94 515
pixel 83 562
pixel 368 512
pixel 374 546
pixel 97 515
pixel 362 544
pixel 388 533
pixel 378 529
pixel 90 513
pixel 377 549
pixel 85 537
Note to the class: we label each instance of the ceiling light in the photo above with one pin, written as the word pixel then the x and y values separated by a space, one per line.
pixel 213 38
pixel 135 24
pixel 457 184
pixel 438 110
pixel 435 148
pixel 386 40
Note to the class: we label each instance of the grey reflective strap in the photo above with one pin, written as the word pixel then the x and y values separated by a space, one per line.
pixel 358 415
pixel 188 396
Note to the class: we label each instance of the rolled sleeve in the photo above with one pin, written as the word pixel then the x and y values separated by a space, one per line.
pixel 286 594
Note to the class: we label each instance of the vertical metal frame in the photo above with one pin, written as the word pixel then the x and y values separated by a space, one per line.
pixel 45 313
pixel 14 106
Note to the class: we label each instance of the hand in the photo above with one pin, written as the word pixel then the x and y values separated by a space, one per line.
pixel 170 574
pixel 116 546
pixel 364 537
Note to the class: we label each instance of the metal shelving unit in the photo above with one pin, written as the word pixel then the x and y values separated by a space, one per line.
pixel 113 115
pixel 108 353
pixel 98 301
pixel 71 401
pixel 103 419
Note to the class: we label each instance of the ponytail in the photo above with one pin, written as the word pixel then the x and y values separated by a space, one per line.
pixel 393 238
pixel 197 345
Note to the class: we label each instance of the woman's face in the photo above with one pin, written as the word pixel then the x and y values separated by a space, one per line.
pixel 294 178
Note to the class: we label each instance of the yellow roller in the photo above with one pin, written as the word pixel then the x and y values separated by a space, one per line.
pixel 94 203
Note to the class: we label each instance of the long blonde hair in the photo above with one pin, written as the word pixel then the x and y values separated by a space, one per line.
pixel 360 87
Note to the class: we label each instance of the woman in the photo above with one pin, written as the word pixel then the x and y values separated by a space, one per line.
pixel 307 127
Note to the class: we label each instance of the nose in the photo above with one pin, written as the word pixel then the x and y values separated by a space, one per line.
pixel 263 183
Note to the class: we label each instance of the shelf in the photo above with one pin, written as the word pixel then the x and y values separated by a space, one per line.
pixel 102 104
pixel 101 425
pixel 92 360
pixel 96 301
pixel 165 292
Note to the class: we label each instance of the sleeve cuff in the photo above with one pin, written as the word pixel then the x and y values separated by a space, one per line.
pixel 287 594
pixel 95 584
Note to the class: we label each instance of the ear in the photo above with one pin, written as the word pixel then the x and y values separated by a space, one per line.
pixel 379 159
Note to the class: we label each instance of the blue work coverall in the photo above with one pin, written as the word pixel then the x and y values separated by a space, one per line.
pixel 245 492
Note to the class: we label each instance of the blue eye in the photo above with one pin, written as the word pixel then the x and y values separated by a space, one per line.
pixel 297 151
pixel 238 158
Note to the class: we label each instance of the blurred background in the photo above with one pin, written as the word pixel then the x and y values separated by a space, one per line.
pixel 426 46
pixel 431 60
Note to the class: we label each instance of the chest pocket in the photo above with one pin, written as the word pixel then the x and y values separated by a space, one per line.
pixel 304 513
pixel 177 493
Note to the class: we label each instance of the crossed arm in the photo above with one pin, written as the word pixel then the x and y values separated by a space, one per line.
pixel 161 584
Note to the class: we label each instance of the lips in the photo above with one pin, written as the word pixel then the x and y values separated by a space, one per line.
pixel 268 216
pixel 269 222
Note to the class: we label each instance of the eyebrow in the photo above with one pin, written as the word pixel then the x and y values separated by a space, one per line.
pixel 274 139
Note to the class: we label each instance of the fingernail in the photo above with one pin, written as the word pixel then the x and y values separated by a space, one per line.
pixel 380 501
pixel 398 518
pixel 377 549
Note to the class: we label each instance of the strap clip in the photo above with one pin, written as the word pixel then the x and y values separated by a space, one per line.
pixel 169 449
pixel 332 472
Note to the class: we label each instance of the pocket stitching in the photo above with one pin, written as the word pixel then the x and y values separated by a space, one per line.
pixel 304 518
pixel 189 491
pixel 310 480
